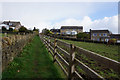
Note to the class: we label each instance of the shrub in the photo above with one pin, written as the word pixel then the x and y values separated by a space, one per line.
pixel 23 29
pixel 15 30
pixel 11 29
pixel 83 36
pixel 113 40
pixel 4 28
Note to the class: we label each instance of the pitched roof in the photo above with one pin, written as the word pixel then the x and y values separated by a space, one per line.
pixel 115 35
pixel 71 27
pixel 100 31
pixel 13 23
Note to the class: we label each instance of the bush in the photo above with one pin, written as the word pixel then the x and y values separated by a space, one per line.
pixel 15 30
pixel 11 29
pixel 83 36
pixel 113 40
pixel 29 31
pixel 35 29
pixel 46 32
pixel 23 29
pixel 4 28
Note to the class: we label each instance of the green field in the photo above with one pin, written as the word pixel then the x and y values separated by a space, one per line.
pixel 33 62
pixel 102 49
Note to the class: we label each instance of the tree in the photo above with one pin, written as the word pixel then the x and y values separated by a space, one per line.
pixel 4 28
pixel 34 29
pixel 11 29
pixel 83 36
pixel 29 31
pixel 23 29
pixel 46 31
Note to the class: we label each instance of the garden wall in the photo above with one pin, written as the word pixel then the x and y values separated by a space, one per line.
pixel 12 46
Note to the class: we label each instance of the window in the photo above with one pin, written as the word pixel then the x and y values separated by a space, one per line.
pixel 93 38
pixel 10 23
pixel 98 39
pixel 99 34
pixel 62 29
pixel 104 34
pixel 73 33
pixel 102 39
pixel 106 40
pixel 94 34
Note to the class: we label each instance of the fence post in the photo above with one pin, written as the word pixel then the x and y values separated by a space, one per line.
pixel 55 51
pixel 71 68
pixel 44 40
pixel 48 44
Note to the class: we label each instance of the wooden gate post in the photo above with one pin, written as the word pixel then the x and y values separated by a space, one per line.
pixel 55 51
pixel 71 68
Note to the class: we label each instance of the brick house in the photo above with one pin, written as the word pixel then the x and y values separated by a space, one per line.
pixel 100 35
pixel 71 30
pixel 13 24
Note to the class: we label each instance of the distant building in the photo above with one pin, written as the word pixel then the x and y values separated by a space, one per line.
pixel 100 35
pixel 13 24
pixel 4 25
pixel 115 36
pixel 71 30
pixel 55 31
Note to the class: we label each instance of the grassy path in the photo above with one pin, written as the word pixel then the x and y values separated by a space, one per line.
pixel 33 62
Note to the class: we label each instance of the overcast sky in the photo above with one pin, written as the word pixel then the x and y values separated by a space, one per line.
pixel 90 15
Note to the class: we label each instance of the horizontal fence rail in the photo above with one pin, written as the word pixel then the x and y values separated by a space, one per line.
pixel 115 65
pixel 68 61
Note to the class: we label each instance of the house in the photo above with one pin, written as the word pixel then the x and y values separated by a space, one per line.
pixel 13 24
pixel 4 25
pixel 100 35
pixel 55 31
pixel 71 30
pixel 115 36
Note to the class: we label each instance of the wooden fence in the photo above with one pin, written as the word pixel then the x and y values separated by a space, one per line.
pixel 68 60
